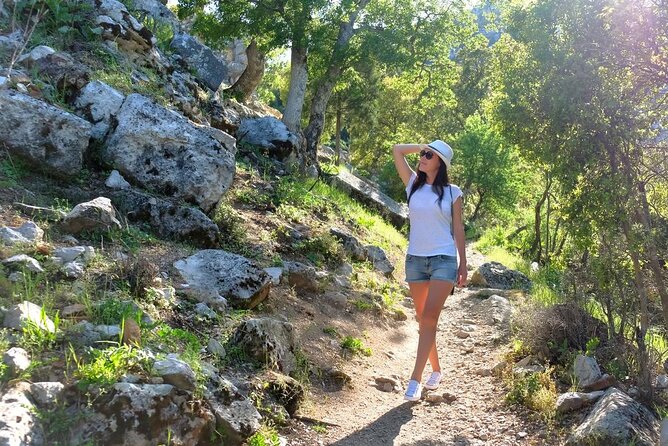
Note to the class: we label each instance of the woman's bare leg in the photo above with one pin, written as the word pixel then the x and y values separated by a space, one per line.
pixel 419 291
pixel 439 291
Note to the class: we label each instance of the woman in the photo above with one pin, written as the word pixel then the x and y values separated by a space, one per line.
pixel 436 236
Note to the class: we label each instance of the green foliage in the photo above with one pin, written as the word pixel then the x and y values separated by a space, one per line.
pixel 355 346
pixel 37 337
pixel 537 391
pixel 167 339
pixel 266 436
pixel 59 22
pixel 321 249
pixel 592 345
pixel 331 331
pixel 113 311
pixel 231 227
pixel 12 171
pixel 491 173
pixel 104 367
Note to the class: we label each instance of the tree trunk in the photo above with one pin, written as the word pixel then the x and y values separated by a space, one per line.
pixel 537 247
pixel 298 78
pixel 246 85
pixel 478 205
pixel 338 134
pixel 316 123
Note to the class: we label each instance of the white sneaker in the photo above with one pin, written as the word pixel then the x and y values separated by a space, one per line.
pixel 433 381
pixel 414 391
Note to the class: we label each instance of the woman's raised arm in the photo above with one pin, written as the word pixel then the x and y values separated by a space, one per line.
pixel 400 151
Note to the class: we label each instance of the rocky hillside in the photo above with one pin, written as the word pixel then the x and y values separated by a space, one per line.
pixel 160 264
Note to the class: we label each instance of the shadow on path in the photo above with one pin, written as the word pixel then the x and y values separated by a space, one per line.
pixel 381 432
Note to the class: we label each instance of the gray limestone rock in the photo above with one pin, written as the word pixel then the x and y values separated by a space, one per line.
pixel 175 372
pixel 270 133
pixel 27 312
pixel 19 419
pixel 169 220
pixel 97 214
pixel 23 261
pixel 213 275
pixel 268 341
pixel 211 71
pixel 496 275
pixel 47 394
pixel 17 360
pixel 586 370
pixel 99 103
pixel 570 401
pixel 617 419
pixel 396 213
pixel 138 415
pixel 49 138
pixel 162 151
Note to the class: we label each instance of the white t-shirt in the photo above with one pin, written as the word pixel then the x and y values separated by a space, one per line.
pixel 430 223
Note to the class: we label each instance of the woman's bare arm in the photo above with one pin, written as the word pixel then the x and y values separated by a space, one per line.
pixel 460 241
pixel 400 151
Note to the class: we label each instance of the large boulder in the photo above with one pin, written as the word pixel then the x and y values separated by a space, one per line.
pixel 169 220
pixel 269 133
pixel 211 71
pixel 617 419
pixel 49 138
pixel 268 341
pixel 365 192
pixel 496 275
pixel 217 276
pixel 99 103
pixel 138 414
pixel 162 151
pixel 237 420
pixel 19 419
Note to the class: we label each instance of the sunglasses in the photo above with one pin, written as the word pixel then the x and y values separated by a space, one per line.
pixel 427 154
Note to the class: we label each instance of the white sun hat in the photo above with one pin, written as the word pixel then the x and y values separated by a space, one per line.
pixel 443 150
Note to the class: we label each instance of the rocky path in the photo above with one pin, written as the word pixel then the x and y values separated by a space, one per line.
pixel 470 344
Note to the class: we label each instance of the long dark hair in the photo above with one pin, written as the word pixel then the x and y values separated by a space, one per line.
pixel 440 182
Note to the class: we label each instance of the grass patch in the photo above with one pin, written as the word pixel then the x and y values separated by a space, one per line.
pixel 104 367
pixel 12 171
pixel 266 436
pixel 37 336
pixel 355 346
pixel 537 391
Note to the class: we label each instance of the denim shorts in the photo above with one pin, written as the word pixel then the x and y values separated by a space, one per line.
pixel 424 269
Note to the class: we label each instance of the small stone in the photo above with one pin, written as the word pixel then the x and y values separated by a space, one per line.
pixel 73 270
pixel 434 398
pixel 16 276
pixel 216 348
pixel 75 310
pixel 21 88
pixel 461 334
pixel 26 261
pixel 522 435
pixel 17 359
pixel 131 332
pixel 116 181
pixel 449 397
pixel 47 393
pixel 203 310
pixel 483 372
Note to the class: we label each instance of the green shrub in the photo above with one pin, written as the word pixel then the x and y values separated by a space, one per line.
pixel 321 249
pixel 105 367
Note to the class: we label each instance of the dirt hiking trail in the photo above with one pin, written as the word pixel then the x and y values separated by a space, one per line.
pixel 473 412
